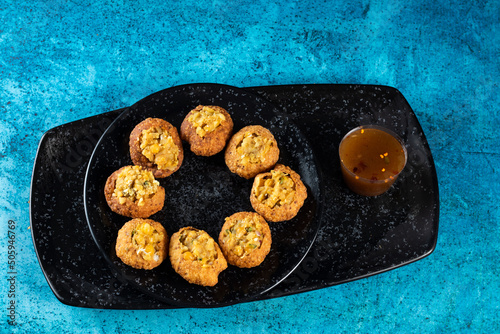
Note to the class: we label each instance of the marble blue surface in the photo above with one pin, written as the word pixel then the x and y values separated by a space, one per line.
pixel 61 61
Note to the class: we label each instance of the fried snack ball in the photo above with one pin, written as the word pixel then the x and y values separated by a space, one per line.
pixel 196 256
pixel 132 191
pixel 155 144
pixel 278 194
pixel 142 243
pixel 251 151
pixel 207 129
pixel 245 239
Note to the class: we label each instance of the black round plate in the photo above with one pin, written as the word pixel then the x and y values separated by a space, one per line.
pixel 202 193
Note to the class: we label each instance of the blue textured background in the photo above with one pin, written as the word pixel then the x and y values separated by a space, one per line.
pixel 66 60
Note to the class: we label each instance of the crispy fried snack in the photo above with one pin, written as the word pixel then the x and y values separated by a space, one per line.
pixel 251 151
pixel 142 243
pixel 132 191
pixel 207 129
pixel 245 239
pixel 278 194
pixel 155 144
pixel 196 256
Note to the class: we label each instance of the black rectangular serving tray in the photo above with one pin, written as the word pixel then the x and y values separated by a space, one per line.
pixel 358 236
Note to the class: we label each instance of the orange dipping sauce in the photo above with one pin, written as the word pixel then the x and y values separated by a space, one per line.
pixel 371 159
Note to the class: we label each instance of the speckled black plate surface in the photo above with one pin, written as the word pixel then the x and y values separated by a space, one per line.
pixel 358 237
pixel 202 193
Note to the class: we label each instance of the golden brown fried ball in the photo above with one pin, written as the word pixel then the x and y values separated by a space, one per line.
pixel 142 243
pixel 245 239
pixel 132 191
pixel 155 144
pixel 196 256
pixel 251 151
pixel 278 194
pixel 207 129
